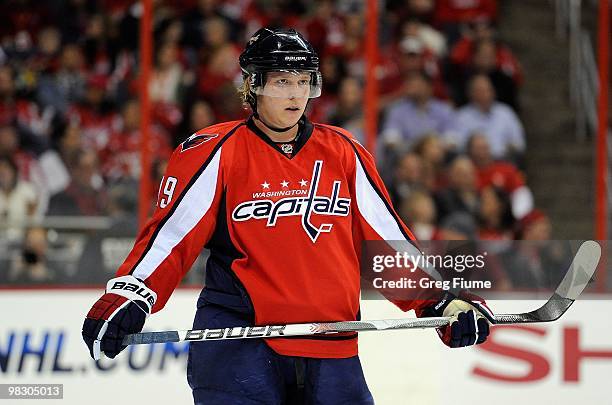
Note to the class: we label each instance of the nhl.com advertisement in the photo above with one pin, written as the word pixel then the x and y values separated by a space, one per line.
pixel 566 360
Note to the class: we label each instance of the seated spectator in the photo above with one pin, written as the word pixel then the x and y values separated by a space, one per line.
pixel 484 62
pixel 495 215
pixel 324 28
pixel 94 114
pixel 407 178
pixel 461 230
pixel 29 167
pixel 18 199
pixel 419 113
pixel 271 13
pixel 200 116
pixel 539 263
pixel 46 172
pixel 66 139
pixel 333 69
pixel 121 157
pixel 31 120
pixel 219 68
pixel 413 59
pixel 458 226
pixel 348 112
pixel 432 151
pixel 47 51
pixel 496 120
pixel 8 108
pixel 198 12
pixel 419 212
pixel 165 85
pixel 432 40
pixel 85 195
pixel 461 195
pixel 351 48
pixel 98 49
pixel 451 15
pixel 534 226
pixel 481 30
pixel 32 266
pixel 402 10
pixel 65 86
pixel 500 174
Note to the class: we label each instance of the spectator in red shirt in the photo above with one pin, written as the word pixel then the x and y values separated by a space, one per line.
pixel 23 16
pixel 500 174
pixel 121 157
pixel 485 62
pixel 451 15
pixel 85 195
pixel 8 110
pixel 479 30
pixel 219 68
pixel 351 48
pixel 402 10
pixel 94 114
pixel 535 226
pixel 324 28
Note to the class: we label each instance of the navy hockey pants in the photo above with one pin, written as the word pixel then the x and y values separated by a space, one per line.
pixel 248 372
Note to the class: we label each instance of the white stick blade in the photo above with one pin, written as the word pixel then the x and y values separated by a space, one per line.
pixel 581 270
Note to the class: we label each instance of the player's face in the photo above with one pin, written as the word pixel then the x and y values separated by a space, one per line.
pixel 284 98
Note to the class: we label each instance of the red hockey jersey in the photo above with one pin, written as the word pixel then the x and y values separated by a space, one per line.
pixel 287 230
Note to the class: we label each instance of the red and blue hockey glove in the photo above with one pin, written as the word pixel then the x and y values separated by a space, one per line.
pixel 470 318
pixel 122 310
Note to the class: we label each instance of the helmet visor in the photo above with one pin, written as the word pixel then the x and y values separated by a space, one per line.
pixel 287 84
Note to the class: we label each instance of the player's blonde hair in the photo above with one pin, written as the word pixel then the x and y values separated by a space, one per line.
pixel 244 91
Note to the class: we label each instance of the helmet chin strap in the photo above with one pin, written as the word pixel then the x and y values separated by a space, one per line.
pixel 275 129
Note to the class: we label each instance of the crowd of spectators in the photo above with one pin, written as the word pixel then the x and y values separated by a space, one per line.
pixel 451 142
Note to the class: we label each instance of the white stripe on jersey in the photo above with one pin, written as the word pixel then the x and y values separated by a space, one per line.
pixel 373 208
pixel 378 216
pixel 190 210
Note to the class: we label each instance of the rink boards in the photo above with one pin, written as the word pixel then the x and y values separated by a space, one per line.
pixel 565 362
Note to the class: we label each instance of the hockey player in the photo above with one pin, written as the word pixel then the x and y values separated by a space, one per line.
pixel 283 204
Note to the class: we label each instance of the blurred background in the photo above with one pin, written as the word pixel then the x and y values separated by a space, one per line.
pixel 489 120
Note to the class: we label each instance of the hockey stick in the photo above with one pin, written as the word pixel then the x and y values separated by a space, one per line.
pixel 579 274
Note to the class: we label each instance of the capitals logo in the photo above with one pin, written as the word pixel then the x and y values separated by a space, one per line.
pixel 298 206
pixel 197 140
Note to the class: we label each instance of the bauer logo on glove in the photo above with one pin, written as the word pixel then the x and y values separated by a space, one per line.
pixel 122 310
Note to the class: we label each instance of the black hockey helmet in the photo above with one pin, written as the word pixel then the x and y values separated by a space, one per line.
pixel 272 49
pixel 278 49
